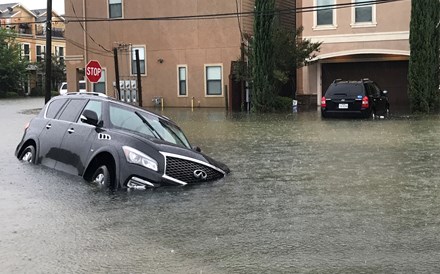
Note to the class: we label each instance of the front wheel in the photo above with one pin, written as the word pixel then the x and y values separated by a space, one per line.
pixel 102 177
pixel 28 154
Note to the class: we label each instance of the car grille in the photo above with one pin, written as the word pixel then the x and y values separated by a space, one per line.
pixel 184 170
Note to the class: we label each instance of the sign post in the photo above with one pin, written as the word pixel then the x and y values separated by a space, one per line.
pixel 93 71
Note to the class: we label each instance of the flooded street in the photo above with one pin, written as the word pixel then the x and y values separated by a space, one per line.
pixel 304 195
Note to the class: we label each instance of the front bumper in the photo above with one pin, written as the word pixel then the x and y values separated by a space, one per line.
pixel 177 170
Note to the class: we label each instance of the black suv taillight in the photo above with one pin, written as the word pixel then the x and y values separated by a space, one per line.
pixel 365 102
pixel 323 102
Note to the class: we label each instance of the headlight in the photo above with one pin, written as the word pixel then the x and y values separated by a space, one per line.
pixel 134 156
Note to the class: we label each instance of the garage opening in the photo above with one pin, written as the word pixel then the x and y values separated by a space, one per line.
pixel 389 75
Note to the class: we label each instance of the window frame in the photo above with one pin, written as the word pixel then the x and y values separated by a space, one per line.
pixel 355 24
pixel 23 55
pixel 333 25
pixel 42 52
pixel 179 67
pixel 103 74
pixel 109 10
pixel 133 59
pixel 206 66
pixel 58 52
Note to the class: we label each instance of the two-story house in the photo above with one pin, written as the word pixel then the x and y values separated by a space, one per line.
pixel 360 39
pixel 29 25
pixel 185 47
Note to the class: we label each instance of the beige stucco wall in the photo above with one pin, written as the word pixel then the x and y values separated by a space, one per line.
pixel 388 37
pixel 183 42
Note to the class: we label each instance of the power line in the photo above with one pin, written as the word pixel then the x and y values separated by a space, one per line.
pixel 85 31
pixel 234 14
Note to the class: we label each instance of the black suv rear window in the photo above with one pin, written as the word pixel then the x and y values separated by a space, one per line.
pixel 345 89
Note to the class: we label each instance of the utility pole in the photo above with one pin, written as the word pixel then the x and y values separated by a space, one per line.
pixel 48 56
pixel 139 80
pixel 118 88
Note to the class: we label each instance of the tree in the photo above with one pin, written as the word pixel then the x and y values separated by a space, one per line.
pixel 12 66
pixel 58 71
pixel 274 56
pixel 423 75
pixel 291 53
pixel 262 58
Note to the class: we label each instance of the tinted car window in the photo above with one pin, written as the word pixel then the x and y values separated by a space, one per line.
pixel 72 110
pixel 54 108
pixel 345 89
pixel 95 106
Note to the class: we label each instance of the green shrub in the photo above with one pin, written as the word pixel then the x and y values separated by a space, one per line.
pixel 283 103
pixel 9 95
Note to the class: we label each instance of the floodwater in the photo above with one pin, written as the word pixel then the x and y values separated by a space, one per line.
pixel 304 195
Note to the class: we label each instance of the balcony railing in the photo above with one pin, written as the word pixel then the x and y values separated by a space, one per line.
pixel 58 33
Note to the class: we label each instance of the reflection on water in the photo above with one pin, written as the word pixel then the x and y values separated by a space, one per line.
pixel 305 194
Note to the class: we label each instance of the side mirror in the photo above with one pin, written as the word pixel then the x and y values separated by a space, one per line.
pixel 198 149
pixel 90 117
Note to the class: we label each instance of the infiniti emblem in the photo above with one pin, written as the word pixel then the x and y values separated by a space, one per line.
pixel 200 174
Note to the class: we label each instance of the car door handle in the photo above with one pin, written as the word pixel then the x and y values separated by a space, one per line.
pixel 48 126
pixel 70 130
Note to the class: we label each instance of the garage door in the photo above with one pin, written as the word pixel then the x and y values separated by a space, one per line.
pixel 390 75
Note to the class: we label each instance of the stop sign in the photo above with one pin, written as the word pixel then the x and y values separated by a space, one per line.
pixel 93 71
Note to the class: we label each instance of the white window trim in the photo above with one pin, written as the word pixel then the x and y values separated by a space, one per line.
pixel 42 53
pixel 131 59
pixel 178 80
pixel 206 80
pixel 105 81
pixel 122 11
pixel 30 52
pixel 333 26
pixel 371 24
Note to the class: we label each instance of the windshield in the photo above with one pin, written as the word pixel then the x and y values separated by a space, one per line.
pixel 146 124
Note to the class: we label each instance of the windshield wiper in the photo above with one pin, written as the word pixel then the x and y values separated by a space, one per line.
pixel 173 133
pixel 149 125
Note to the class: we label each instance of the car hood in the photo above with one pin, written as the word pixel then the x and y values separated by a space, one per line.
pixel 167 147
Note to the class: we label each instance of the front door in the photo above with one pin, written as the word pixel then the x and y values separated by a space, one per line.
pixel 77 142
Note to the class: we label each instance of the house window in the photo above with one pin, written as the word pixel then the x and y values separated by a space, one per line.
pixel 364 12
pixel 213 80
pixel 60 53
pixel 100 85
pixel 26 52
pixel 182 79
pixel 324 12
pixel 40 49
pixel 141 60
pixel 115 8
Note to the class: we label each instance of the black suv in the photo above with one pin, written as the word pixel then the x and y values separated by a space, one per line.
pixel 114 144
pixel 361 98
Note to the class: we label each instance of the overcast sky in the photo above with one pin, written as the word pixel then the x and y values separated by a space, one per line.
pixel 57 5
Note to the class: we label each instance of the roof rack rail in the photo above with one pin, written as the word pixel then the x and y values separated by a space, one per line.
pixel 337 80
pixel 87 93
